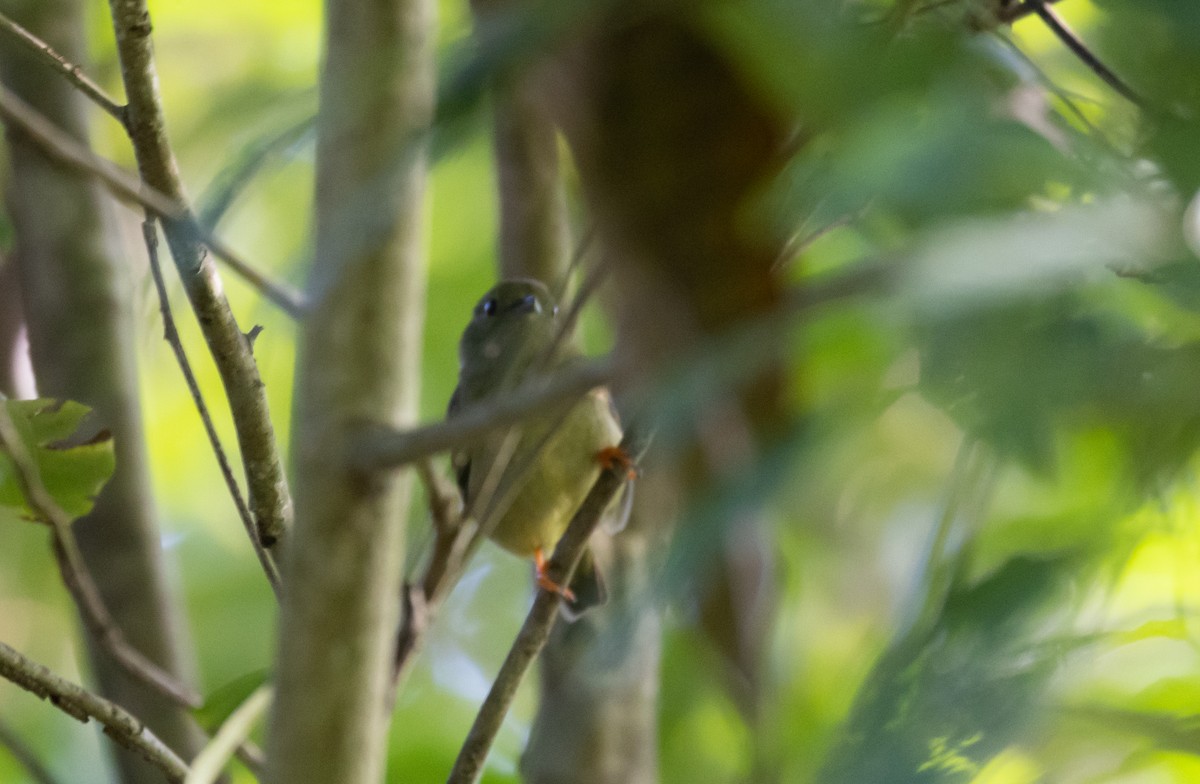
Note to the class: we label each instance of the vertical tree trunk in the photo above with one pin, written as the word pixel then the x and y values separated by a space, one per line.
pixel 78 305
pixel 674 148
pixel 597 711
pixel 359 364
pixel 534 234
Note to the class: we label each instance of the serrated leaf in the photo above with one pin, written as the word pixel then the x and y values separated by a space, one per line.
pixel 73 455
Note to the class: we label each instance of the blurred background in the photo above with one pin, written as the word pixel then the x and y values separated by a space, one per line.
pixel 979 526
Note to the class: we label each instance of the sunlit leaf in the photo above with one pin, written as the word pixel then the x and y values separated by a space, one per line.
pixel 73 455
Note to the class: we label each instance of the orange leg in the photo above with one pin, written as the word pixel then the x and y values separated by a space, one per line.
pixel 544 581
pixel 613 456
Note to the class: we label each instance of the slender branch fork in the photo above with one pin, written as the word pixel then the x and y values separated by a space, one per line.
pixel 76 576
pixel 71 72
pixel 171 335
pixel 122 184
pixel 12 109
pixel 81 704
pixel 129 188
pixel 266 482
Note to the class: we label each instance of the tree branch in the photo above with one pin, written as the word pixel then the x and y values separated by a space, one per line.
pixel 73 73
pixel 81 704
pixel 171 335
pixel 1016 11
pixel 536 630
pixel 390 448
pixel 130 189
pixel 359 361
pixel 270 500
pixel 76 576
pixel 1073 42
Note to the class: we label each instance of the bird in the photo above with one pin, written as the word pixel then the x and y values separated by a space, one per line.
pixel 513 335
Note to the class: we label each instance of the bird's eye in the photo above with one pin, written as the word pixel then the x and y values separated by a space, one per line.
pixel 530 304
pixel 489 307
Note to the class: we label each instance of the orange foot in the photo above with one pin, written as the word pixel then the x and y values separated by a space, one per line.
pixel 613 456
pixel 544 581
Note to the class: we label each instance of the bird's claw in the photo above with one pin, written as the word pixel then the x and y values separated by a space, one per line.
pixel 611 457
pixel 544 581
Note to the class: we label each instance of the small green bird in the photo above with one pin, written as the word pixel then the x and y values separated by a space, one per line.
pixel 512 333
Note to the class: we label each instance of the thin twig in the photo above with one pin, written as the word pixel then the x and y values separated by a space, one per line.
pixel 253 757
pixel 76 576
pixel 24 756
pixel 1073 42
pixel 129 188
pixel 445 503
pixel 457 538
pixel 1017 11
pixel 73 73
pixel 171 335
pixel 536 629
pixel 79 703
pixel 570 318
pixel 456 543
pixel 798 243
pixel 267 490
pixel 389 448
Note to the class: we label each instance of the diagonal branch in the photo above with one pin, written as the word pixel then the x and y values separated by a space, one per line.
pixel 171 335
pixel 76 576
pixel 1013 12
pixel 81 704
pixel 536 629
pixel 129 188
pixel 1073 42
pixel 73 73
pixel 390 448
pixel 270 498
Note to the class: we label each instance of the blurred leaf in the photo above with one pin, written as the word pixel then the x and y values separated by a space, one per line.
pixel 1018 375
pixel 943 700
pixel 225 700
pixel 1171 628
pixel 1166 730
pixel 245 165
pixel 72 453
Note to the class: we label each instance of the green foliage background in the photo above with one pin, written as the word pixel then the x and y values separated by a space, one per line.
pixel 987 532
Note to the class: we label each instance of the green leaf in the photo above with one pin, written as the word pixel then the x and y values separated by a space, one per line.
pixel 224 701
pixel 72 454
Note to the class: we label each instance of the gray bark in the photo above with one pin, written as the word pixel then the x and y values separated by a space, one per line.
pixel 359 364
pixel 77 298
